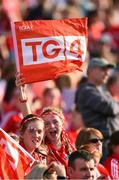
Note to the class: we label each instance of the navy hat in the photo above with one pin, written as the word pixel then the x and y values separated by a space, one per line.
pixel 99 62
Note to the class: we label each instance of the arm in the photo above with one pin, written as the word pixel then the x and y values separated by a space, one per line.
pixel 25 106
pixel 59 169
pixel 92 98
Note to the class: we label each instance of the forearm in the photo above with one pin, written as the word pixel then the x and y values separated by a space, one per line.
pixel 25 108
pixel 24 102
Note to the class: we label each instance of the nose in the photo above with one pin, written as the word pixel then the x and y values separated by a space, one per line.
pixel 106 72
pixel 36 134
pixel 89 173
pixel 99 143
pixel 52 125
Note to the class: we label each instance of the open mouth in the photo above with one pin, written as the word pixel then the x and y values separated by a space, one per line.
pixel 53 133
pixel 35 141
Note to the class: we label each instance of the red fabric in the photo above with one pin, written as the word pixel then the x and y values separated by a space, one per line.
pixel 14 160
pixel 114 31
pixel 11 121
pixel 72 135
pixel 95 30
pixel 9 42
pixel 46 49
pixel 112 165
pixel 102 170
pixel 10 118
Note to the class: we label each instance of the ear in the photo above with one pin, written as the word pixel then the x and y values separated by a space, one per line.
pixel 70 170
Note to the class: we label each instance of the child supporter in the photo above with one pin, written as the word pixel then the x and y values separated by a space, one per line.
pixel 56 138
pixel 31 136
pixel 112 161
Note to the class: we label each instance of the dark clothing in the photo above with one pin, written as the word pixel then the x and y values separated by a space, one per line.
pixel 38 13
pixel 97 107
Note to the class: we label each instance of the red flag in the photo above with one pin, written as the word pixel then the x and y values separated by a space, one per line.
pixel 45 49
pixel 14 160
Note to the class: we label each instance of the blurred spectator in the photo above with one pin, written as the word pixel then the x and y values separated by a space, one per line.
pixel 70 11
pixel 51 97
pixel 75 124
pixel 36 104
pixel 96 106
pixel 113 87
pixel 5 35
pixel 107 48
pixel 39 87
pixel 10 112
pixel 65 85
pixel 12 8
pixel 43 10
pixel 112 161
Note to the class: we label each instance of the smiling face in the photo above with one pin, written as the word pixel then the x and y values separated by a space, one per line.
pixel 33 135
pixel 53 127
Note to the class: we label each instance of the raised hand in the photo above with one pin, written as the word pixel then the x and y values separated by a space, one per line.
pixel 20 80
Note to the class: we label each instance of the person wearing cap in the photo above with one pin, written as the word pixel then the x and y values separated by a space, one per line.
pixel 112 161
pixel 95 104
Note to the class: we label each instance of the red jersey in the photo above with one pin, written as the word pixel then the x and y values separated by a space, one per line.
pixel 103 171
pixel 112 165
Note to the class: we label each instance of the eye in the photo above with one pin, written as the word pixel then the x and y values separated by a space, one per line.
pixel 31 130
pixel 47 124
pixel 55 122
pixel 39 131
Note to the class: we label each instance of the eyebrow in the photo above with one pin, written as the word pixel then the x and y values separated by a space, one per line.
pixel 83 168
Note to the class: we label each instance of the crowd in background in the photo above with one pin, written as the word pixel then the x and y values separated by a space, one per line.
pixel 80 108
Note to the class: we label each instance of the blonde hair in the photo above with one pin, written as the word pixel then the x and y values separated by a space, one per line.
pixel 91 149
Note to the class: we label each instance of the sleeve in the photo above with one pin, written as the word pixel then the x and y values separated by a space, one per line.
pixel 114 168
pixel 93 99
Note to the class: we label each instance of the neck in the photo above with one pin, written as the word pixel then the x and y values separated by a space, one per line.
pixel 57 143
pixel 115 97
pixel 92 81
pixel 30 151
